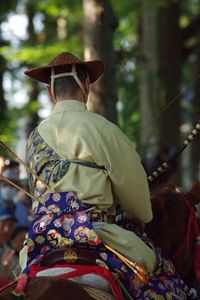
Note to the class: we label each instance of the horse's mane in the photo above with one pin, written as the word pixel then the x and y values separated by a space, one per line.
pixel 167 204
pixel 171 210
pixel 194 193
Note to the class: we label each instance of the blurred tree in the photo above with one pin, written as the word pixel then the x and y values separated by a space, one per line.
pixel 127 72
pixel 3 104
pixel 190 33
pixel 169 52
pixel 99 28
pixel 45 41
pixel 150 50
pixel 5 8
pixel 195 157
pixel 33 90
pixel 160 71
pixel 149 82
pixel 165 48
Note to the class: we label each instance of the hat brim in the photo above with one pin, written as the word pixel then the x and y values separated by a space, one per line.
pixel 94 69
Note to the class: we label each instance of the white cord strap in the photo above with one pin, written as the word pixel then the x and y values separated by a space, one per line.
pixel 52 85
pixel 73 73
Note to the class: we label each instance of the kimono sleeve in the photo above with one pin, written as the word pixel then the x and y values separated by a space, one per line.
pixel 128 178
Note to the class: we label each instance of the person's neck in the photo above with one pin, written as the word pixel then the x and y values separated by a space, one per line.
pixel 71 98
pixel 77 95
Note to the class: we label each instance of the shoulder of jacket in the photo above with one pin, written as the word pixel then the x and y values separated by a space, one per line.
pixel 101 119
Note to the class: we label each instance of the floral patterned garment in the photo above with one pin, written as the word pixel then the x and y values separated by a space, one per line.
pixel 62 221
pixel 59 222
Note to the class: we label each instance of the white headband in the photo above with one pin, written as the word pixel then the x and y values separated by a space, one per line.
pixel 73 73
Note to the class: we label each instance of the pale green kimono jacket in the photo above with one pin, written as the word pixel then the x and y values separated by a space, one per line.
pixel 72 132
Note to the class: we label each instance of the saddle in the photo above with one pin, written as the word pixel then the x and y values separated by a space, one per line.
pixel 90 269
pixel 70 256
pixel 60 257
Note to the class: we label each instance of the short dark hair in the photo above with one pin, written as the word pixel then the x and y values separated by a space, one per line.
pixel 67 85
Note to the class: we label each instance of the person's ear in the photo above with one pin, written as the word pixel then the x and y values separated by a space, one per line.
pixel 87 85
pixel 49 91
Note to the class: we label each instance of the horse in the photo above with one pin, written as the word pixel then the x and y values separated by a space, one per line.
pixel 52 288
pixel 172 209
pixel 51 280
pixel 175 227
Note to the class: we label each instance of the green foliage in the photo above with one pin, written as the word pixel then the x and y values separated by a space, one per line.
pixel 39 50
pixel 126 45
pixel 8 133
pixel 190 9
pixel 6 7
pixel 128 95
pixel 47 44
pixel 55 7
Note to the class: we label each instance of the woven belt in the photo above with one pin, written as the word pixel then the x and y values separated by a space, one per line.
pixel 71 256
pixel 97 215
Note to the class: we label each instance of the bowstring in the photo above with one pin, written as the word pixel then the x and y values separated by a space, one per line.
pixel 165 107
pixel 164 165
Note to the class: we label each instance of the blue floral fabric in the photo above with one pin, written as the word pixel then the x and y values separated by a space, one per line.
pixel 62 221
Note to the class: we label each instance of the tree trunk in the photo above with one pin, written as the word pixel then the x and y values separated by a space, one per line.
pixel 160 79
pixel 34 89
pixel 3 105
pixel 148 80
pixel 169 50
pixel 195 162
pixel 99 27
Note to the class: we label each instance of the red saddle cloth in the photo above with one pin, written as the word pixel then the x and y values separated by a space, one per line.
pixel 3 283
pixel 79 270
pixel 82 270
pixel 197 260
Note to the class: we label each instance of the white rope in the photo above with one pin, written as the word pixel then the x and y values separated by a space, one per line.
pixel 73 73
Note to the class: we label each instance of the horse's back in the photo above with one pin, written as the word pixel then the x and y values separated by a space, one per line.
pixel 50 288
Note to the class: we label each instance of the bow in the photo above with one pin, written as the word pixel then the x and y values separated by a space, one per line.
pixel 161 169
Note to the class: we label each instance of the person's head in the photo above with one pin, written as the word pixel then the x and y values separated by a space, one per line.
pixel 75 86
pixel 2 163
pixel 7 191
pixel 18 237
pixel 7 224
pixel 68 77
pixel 22 197
pixel 11 165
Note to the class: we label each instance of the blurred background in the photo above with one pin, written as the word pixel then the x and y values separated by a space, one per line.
pixel 151 85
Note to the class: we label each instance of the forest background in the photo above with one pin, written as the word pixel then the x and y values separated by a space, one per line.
pixel 151 85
